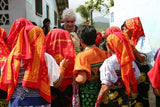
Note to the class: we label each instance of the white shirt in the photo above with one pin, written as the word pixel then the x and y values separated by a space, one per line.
pixel 53 69
pixel 107 70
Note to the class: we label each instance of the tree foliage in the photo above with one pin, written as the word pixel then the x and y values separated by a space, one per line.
pixel 83 11
pixel 91 5
pixel 99 4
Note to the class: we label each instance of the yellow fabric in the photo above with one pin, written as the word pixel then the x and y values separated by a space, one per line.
pixel 30 49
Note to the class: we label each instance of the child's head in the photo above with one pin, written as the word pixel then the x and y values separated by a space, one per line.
pixel 87 34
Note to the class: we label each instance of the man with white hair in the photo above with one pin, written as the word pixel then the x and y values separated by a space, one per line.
pixel 69 18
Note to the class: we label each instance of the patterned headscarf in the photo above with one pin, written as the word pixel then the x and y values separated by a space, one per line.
pixel 4 50
pixel 14 31
pixel 60 46
pixel 124 53
pixel 30 48
pixel 135 27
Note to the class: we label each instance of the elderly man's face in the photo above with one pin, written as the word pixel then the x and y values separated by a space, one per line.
pixel 69 24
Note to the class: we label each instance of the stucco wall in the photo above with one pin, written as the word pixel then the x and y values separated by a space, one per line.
pixel 16 10
pixel 31 13
pixel 147 10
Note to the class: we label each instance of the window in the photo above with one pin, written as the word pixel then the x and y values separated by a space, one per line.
pixel 39 7
pixel 4 16
pixel 47 8
pixel 55 18
pixel 112 17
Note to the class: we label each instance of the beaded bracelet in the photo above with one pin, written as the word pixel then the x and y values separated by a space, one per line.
pixel 99 99
pixel 62 68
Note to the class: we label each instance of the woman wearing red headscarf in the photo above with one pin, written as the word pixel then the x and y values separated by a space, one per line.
pixel 60 45
pixel 29 72
pixel 118 73
pixel 133 30
pixel 154 76
pixel 4 52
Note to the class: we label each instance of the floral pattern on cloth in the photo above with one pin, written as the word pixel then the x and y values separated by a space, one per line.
pixel 75 97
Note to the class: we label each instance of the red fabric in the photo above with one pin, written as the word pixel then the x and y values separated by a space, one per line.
pixel 4 50
pixel 98 40
pixel 30 48
pixel 112 29
pixel 154 73
pixel 14 31
pixel 60 46
pixel 99 33
pixel 135 27
pixel 124 53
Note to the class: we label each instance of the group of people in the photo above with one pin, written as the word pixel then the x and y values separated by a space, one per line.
pixel 76 66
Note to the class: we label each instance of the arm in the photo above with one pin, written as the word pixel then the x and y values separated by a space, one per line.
pixel 81 78
pixel 55 72
pixel 156 91
pixel 139 56
pixel 63 65
pixel 102 94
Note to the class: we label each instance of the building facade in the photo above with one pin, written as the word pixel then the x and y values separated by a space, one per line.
pixel 33 10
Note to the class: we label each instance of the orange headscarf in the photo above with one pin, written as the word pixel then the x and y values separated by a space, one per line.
pixel 135 27
pixel 60 46
pixel 4 50
pixel 14 31
pixel 124 53
pixel 30 49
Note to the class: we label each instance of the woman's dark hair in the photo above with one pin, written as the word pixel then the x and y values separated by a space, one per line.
pixel 87 34
pixel 102 45
pixel 123 25
pixel 46 20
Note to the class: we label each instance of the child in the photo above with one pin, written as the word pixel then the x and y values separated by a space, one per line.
pixel 86 68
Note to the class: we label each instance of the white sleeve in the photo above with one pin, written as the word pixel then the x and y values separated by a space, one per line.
pixel 144 46
pixel 53 69
pixel 136 70
pixel 107 73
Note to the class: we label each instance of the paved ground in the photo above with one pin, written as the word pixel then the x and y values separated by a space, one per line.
pixel 152 98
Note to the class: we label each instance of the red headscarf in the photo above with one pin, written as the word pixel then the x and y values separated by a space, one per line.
pixel 60 46
pixel 124 53
pixel 135 27
pixel 30 48
pixel 154 73
pixel 112 29
pixel 14 31
pixel 4 50
pixel 99 38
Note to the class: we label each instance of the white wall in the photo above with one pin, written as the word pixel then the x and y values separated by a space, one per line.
pixel 31 13
pixel 14 13
pixel 147 10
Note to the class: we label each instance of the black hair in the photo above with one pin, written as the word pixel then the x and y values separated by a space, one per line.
pixel 46 20
pixel 102 45
pixel 34 23
pixel 123 25
pixel 87 34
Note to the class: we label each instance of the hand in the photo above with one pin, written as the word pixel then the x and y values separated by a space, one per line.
pixel 64 63
pixel 156 91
